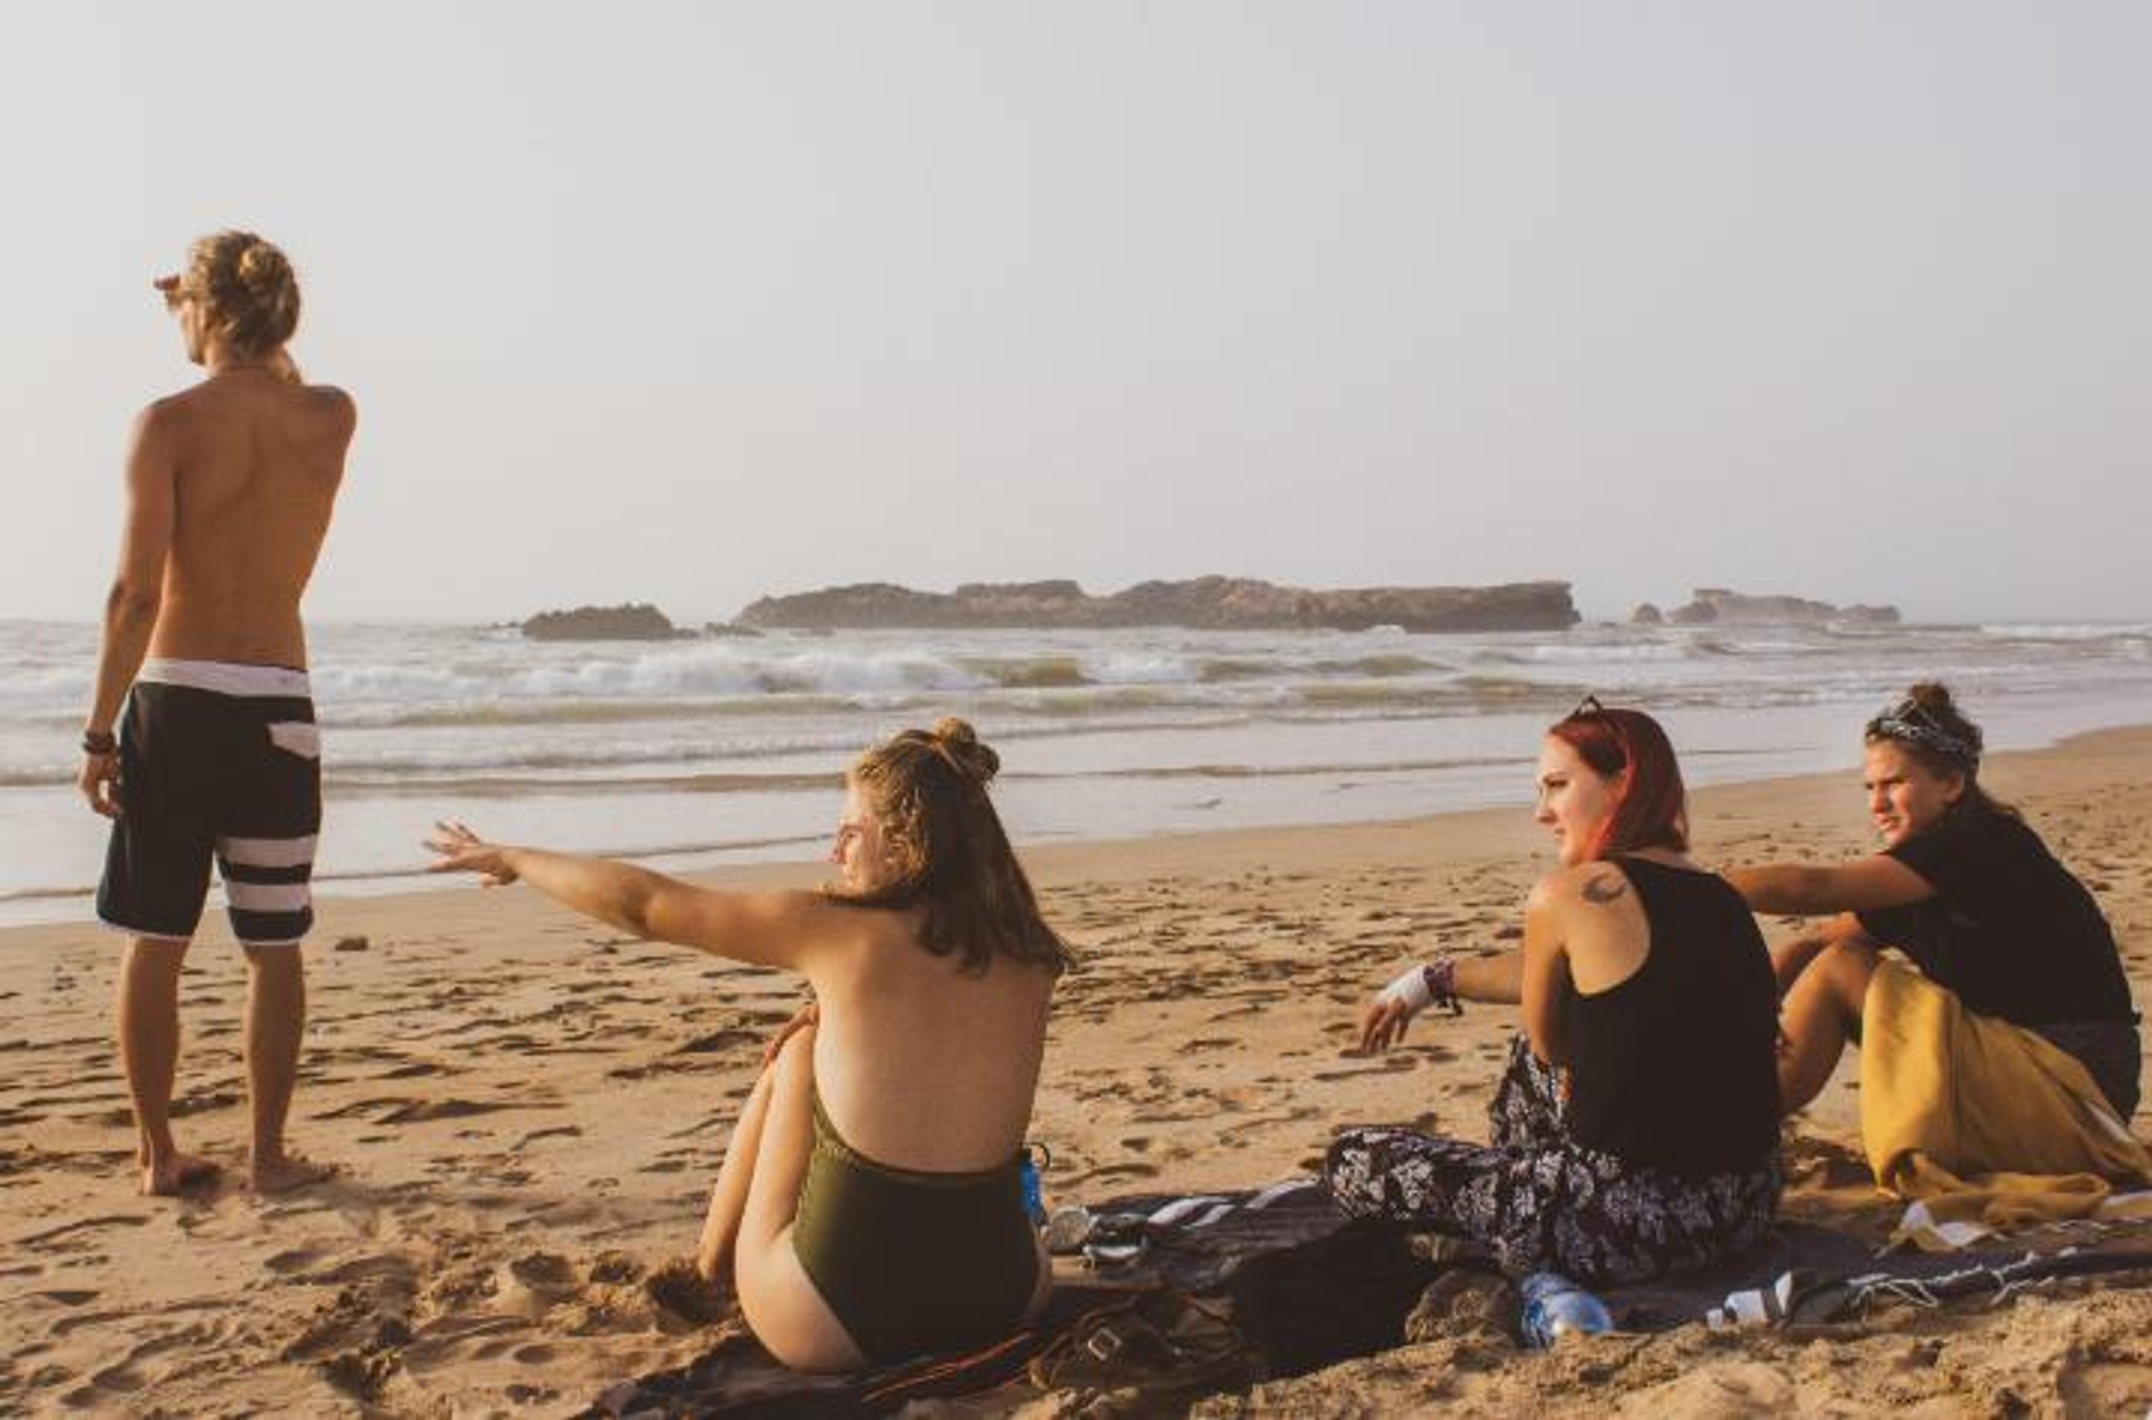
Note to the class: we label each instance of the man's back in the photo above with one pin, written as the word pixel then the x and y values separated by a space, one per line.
pixel 256 460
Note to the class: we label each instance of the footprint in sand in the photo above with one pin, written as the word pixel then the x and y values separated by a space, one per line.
pixel 1392 1064
pixel 109 1220
pixel 419 1111
pixel 1112 1173
pixel 291 1260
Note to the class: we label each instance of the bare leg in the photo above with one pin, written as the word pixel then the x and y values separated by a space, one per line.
pixel 276 1023
pixel 149 1053
pixel 787 1314
pixel 1819 1015
pixel 728 1197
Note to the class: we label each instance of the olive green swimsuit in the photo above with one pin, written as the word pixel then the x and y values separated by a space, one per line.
pixel 913 1263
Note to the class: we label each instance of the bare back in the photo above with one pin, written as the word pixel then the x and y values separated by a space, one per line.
pixel 256 464
pixel 919 1065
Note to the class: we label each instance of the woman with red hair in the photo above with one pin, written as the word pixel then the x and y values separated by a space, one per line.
pixel 1635 1130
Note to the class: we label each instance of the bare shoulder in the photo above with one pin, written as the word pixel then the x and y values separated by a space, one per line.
pixel 816 916
pixel 1581 885
pixel 166 415
pixel 332 398
pixel 331 404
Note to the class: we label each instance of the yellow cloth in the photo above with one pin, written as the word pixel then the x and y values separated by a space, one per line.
pixel 1980 1121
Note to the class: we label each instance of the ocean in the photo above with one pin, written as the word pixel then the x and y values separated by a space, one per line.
pixel 688 753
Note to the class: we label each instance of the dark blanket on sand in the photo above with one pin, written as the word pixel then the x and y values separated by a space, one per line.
pixel 1303 1287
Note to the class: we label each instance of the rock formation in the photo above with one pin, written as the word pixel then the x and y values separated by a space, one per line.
pixel 635 621
pixel 1716 606
pixel 1208 603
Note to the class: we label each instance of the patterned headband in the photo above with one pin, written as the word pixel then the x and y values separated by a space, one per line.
pixel 1909 723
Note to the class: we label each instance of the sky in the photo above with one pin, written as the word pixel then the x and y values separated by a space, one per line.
pixel 689 303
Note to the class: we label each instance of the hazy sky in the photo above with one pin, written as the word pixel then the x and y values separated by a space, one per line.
pixel 692 302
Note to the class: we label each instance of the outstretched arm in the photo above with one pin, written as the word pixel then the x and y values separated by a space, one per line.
pixel 763 928
pixel 1496 978
pixel 1811 890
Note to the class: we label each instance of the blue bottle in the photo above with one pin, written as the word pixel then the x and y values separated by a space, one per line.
pixel 1027 1173
pixel 1555 1307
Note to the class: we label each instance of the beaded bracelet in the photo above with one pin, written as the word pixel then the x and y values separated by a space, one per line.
pixel 1440 975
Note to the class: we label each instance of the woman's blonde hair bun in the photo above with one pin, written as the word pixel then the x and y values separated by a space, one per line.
pixel 960 743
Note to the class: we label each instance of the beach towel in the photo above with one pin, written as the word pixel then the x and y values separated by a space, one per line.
pixel 1981 1125
pixel 1184 1294
pixel 1197 1293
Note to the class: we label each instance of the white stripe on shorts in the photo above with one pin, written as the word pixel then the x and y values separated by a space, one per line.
pixel 267 897
pixel 225 677
pixel 267 852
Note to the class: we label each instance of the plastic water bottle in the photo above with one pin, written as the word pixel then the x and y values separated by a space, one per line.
pixel 1027 1174
pixel 1555 1307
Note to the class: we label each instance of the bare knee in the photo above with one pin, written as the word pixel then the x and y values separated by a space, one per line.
pixel 162 955
pixel 1845 969
pixel 279 963
pixel 795 1055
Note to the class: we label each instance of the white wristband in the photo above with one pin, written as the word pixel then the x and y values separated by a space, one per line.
pixel 1409 988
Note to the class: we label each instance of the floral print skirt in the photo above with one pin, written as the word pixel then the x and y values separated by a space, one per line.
pixel 1541 1201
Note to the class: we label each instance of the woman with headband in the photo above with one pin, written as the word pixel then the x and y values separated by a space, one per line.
pixel 1635 1130
pixel 1969 893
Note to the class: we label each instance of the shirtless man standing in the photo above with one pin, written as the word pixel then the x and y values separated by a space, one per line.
pixel 229 489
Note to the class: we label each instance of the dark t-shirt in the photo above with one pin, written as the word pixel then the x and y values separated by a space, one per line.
pixel 2009 929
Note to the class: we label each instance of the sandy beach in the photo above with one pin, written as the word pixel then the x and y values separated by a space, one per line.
pixel 529 1110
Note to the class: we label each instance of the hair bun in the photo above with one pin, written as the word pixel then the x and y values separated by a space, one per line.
pixel 1934 700
pixel 1932 696
pixel 261 267
pixel 959 742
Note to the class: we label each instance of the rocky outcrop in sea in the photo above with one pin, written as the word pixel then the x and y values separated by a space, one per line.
pixel 1716 606
pixel 634 621
pixel 1203 603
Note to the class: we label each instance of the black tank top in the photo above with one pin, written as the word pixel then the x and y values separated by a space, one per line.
pixel 1676 1066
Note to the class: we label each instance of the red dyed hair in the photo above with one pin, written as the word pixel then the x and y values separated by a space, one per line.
pixel 1651 808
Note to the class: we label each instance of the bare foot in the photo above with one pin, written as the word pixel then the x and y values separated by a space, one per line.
pixel 175 1173
pixel 286 1172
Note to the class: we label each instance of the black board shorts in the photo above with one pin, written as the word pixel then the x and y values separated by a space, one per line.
pixel 216 761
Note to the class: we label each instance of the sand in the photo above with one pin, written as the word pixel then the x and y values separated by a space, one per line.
pixel 529 1110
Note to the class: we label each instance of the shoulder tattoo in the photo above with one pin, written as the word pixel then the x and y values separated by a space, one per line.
pixel 1605 888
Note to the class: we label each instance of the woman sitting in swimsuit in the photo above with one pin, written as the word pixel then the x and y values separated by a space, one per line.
pixel 1635 1130
pixel 1967 890
pixel 870 1206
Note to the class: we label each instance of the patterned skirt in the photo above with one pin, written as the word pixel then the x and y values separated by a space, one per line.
pixel 1542 1201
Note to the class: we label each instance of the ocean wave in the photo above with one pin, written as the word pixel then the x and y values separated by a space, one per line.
pixel 481 714
pixel 407 783
pixel 715 671
pixel 1028 672
pixel 1225 669
pixel 2070 631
